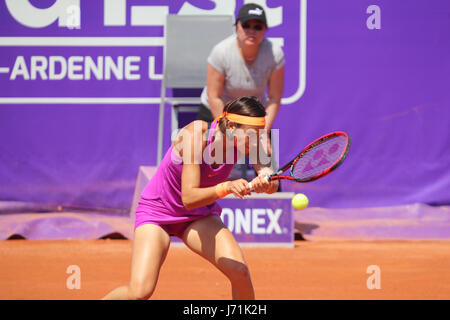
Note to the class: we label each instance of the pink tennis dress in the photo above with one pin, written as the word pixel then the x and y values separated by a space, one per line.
pixel 160 202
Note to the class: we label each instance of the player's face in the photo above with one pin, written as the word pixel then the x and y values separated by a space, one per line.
pixel 251 32
pixel 248 138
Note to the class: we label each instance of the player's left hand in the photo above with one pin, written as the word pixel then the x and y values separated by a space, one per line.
pixel 260 185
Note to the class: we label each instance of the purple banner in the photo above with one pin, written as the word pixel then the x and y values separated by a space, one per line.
pixel 109 49
pixel 80 85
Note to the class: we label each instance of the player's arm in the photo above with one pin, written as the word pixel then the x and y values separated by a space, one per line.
pixel 215 82
pixel 192 195
pixel 192 144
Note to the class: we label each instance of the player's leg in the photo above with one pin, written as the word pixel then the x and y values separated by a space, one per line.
pixel 150 246
pixel 209 238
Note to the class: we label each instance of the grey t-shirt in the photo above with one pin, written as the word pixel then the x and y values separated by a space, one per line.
pixel 242 79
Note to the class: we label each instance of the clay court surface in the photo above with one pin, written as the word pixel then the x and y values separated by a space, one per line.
pixel 311 270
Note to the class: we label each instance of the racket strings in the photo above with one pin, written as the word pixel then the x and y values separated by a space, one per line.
pixel 320 158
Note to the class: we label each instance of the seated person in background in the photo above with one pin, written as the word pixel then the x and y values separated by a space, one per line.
pixel 244 64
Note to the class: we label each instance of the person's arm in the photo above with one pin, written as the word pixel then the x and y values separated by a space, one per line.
pixel 192 195
pixel 275 93
pixel 215 82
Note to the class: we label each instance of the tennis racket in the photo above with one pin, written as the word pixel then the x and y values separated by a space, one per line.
pixel 318 159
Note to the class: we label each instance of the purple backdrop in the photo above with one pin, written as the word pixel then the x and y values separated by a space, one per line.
pixel 389 88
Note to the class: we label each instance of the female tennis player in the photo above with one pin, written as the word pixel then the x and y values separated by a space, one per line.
pixel 180 200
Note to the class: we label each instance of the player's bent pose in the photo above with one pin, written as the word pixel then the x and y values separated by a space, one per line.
pixel 180 200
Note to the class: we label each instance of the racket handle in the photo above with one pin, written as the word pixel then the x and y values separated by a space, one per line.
pixel 267 178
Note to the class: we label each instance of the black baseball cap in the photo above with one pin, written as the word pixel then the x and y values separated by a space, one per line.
pixel 251 11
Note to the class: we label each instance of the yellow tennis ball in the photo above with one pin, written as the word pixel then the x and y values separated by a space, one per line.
pixel 300 201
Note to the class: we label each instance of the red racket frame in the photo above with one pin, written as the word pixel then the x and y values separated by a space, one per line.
pixel 277 175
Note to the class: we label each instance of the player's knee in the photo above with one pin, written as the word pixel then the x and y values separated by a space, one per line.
pixel 140 290
pixel 238 272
